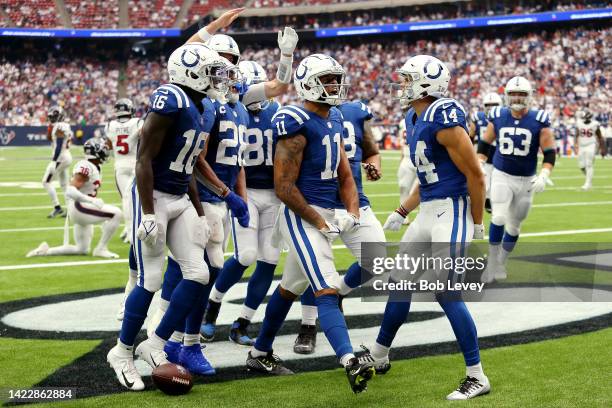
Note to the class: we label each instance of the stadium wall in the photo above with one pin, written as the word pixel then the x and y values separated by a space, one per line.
pixel 37 135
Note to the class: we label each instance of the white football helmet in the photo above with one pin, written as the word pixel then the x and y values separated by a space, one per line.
pixel 422 76
pixel 224 44
pixel 491 100
pixel 253 73
pixel 307 80
pixel 519 85
pixel 196 66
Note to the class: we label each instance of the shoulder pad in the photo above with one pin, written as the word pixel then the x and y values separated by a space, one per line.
pixel 168 99
pixel 293 119
pixel 440 105
pixel 83 167
pixel 543 117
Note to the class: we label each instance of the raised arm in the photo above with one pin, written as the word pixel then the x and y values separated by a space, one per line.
pixel 461 152
pixel 223 21
pixel 287 163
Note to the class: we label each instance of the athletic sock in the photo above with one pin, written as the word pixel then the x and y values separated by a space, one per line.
pixel 395 315
pixel 136 307
pixel 309 308
pixel 182 301
pixel 379 352
pixel 475 371
pixel 356 276
pixel 464 329
pixel 346 359
pixel 508 244
pixel 191 339
pixel 177 337
pixel 276 312
pixel 172 277
pixel 259 284
pixel 230 274
pixel 333 325
pixel 247 313
pixel 496 233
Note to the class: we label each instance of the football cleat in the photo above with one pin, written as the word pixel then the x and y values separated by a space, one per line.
pixel 470 387
pixel 381 366
pixel 58 211
pixel 586 187
pixel 152 355
pixel 306 340
pixel 269 364
pixel 207 330
pixel 104 253
pixel 172 350
pixel 153 322
pixel 125 370
pixel 238 333
pixel 192 358
pixel 500 272
pixel 359 374
pixel 40 251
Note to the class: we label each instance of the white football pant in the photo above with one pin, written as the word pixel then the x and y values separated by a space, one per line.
pixel 123 179
pixel 511 198
pixel 586 158
pixel 57 169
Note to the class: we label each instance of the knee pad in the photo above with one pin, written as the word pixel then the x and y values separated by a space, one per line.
pixel 498 219
pixel 214 251
pixel 247 256
pixel 197 272
pixel 152 283
pixel 513 228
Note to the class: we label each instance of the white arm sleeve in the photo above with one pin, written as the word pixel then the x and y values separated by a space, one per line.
pixel 285 68
pixel 255 93
pixel 74 194
pixel 203 34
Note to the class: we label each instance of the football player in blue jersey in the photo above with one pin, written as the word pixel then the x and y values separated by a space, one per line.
pixel 451 196
pixel 310 171
pixel 167 211
pixel 520 133
pixel 478 125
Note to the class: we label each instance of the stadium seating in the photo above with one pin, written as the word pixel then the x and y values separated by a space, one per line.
pixel 156 13
pixel 93 13
pixel 33 13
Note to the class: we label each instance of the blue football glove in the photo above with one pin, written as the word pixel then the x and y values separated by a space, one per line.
pixel 239 208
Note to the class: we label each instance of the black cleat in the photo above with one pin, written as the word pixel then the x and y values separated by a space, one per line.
pixel 239 334
pixel 306 340
pixel 269 364
pixel 488 205
pixel 359 374
pixel 208 328
pixel 380 365
pixel 57 211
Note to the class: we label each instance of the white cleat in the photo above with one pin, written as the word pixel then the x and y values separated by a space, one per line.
pixel 42 250
pixel 500 272
pixel 153 321
pixel 104 253
pixel 121 310
pixel 586 187
pixel 125 370
pixel 152 355
pixel 488 276
pixel 470 387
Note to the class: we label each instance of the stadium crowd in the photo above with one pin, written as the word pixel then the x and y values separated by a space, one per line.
pixel 570 69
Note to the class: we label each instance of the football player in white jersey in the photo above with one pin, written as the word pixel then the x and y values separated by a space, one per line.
pixel 84 207
pixel 59 134
pixel 588 137
pixel 123 132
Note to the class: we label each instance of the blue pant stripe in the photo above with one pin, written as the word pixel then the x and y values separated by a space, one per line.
pixel 135 241
pixel 234 237
pixel 311 253
pixel 297 247
pixel 454 232
pixel 463 234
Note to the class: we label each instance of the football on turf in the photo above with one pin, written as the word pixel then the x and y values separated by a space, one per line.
pixel 172 379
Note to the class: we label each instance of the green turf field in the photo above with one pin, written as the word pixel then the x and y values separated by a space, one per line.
pixel 569 369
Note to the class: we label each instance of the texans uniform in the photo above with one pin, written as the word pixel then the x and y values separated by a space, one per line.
pixel 224 156
pixel 254 243
pixel 61 136
pixel 172 168
pixel 123 134
pixel 310 259
pixel 515 162
pixel 587 142
pixel 355 114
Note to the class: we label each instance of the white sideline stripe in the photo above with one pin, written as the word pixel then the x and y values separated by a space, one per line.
pixel 40 207
pixel 113 261
pixel 45 194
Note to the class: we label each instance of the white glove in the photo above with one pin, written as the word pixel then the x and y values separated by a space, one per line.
pixel 97 202
pixel 479 231
pixel 331 231
pixel 538 184
pixel 348 222
pixel 394 222
pixel 202 231
pixel 287 41
pixel 148 230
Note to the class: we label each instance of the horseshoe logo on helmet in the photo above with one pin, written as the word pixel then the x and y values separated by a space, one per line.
pixel 297 72
pixel 190 64
pixel 427 70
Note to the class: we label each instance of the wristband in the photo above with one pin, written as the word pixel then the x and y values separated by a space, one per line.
pixel 402 211
pixel 204 34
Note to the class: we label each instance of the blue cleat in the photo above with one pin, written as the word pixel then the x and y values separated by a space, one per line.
pixel 172 349
pixel 238 333
pixel 192 358
pixel 207 332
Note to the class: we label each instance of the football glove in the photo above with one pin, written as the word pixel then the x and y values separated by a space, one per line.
pixel 348 222
pixel 372 172
pixel 287 40
pixel 396 219
pixel 330 231
pixel 538 184
pixel 239 208
pixel 479 231
pixel 148 230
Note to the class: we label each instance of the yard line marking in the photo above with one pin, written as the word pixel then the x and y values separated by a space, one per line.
pixel 113 261
pixel 45 194
pixel 40 207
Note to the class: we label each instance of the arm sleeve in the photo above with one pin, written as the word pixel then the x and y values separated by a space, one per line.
pixel 74 194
